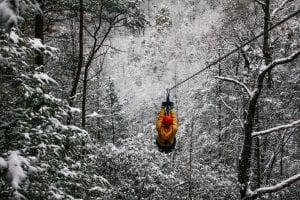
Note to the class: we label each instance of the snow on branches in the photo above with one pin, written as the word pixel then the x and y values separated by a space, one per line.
pixel 236 82
pixel 18 167
pixel 277 128
pixel 279 61
pixel 260 191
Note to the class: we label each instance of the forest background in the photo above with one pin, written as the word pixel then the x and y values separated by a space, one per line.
pixel 82 83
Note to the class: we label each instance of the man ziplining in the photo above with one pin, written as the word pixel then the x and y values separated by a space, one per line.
pixel 166 126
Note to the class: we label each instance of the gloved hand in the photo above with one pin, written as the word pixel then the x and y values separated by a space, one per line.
pixel 167 104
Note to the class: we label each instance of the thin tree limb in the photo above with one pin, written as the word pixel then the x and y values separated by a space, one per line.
pixel 231 109
pixel 114 48
pixel 275 188
pixel 280 61
pixel 101 66
pixel 260 3
pixel 87 30
pixel 236 82
pixel 269 166
pixel 277 128
pixel 280 7
pixel 180 184
pixel 247 62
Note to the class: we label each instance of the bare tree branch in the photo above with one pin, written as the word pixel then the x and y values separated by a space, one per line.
pixel 280 61
pixel 246 59
pixel 277 128
pixel 280 7
pixel 180 184
pixel 261 3
pixel 114 48
pixel 101 65
pixel 269 166
pixel 236 82
pixel 231 109
pixel 275 188
pixel 87 30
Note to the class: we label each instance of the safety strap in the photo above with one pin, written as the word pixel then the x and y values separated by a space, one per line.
pixel 168 107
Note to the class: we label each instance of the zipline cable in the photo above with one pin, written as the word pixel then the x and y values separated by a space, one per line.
pixel 235 50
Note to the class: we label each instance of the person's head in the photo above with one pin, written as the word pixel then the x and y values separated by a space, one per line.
pixel 167 120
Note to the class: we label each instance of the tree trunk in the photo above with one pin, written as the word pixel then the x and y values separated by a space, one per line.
pixel 266 39
pixel 112 115
pixel 219 91
pixel 39 33
pixel 84 94
pixel 98 136
pixel 281 158
pixel 257 153
pixel 191 162
pixel 80 59
pixel 89 61
pixel 113 127
pixel 257 167
pixel 245 160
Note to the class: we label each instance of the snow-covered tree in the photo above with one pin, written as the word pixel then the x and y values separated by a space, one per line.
pixel 260 68
pixel 106 119
pixel 37 149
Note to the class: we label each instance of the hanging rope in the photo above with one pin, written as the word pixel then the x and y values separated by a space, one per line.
pixel 234 50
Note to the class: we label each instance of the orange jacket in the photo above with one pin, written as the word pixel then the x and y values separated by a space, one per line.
pixel 166 134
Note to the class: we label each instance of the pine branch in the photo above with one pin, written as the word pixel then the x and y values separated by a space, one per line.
pixel 260 191
pixel 236 82
pixel 277 128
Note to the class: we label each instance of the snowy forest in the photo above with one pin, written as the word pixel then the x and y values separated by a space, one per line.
pixel 83 81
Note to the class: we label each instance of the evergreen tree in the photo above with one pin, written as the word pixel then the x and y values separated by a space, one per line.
pixel 37 149
pixel 108 123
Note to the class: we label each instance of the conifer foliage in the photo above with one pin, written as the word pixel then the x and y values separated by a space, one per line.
pixel 33 134
pixel 238 135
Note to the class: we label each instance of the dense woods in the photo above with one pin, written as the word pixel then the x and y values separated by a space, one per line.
pixel 82 83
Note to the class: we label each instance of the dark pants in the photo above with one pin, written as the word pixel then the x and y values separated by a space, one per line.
pixel 167 148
